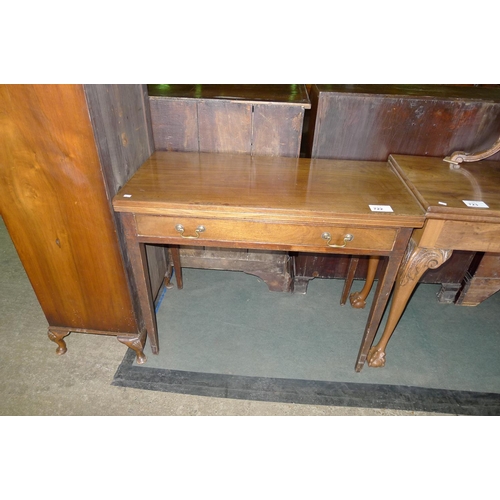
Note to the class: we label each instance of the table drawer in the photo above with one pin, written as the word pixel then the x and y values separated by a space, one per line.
pixel 473 236
pixel 183 230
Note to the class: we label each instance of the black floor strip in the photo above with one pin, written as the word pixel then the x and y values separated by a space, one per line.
pixel 311 392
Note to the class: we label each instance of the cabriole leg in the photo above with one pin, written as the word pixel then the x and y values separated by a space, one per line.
pixel 136 343
pixel 57 335
pixel 418 260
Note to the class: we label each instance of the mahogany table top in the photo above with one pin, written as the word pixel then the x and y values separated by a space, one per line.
pixel 443 191
pixel 277 188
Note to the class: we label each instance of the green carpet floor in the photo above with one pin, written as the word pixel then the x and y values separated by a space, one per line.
pixel 228 323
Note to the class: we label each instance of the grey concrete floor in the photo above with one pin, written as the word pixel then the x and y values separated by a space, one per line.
pixel 36 381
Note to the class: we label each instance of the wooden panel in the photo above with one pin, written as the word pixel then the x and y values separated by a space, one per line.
pixel 223 253
pixel 225 127
pixel 473 236
pixel 274 268
pixel 122 130
pixel 158 260
pixel 324 266
pixel 175 124
pixel 54 204
pixel 451 271
pixel 483 283
pixel 361 125
pixel 489 267
pixel 478 290
pixel 277 130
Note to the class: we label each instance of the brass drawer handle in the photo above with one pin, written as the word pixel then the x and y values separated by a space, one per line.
pixel 180 228
pixel 328 236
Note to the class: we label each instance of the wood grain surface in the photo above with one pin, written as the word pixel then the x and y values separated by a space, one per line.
pixel 369 122
pixel 287 189
pixel 54 204
pixel 442 190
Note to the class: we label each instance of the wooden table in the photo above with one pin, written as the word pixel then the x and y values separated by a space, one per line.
pixel 451 224
pixel 275 203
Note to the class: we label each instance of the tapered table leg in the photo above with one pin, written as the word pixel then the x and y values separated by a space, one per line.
pixel 176 259
pixel 139 265
pixel 351 271
pixel 382 293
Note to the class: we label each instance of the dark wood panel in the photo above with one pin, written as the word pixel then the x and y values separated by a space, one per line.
pixel 478 290
pixel 225 127
pixel 372 127
pixel 277 130
pixel 56 209
pixel 274 268
pixel 122 130
pixel 483 283
pixel 175 124
pixel 452 271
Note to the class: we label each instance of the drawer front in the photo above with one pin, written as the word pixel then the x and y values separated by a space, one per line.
pixel 473 236
pixel 182 230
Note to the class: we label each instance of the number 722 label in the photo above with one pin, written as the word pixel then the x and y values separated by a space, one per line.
pixel 475 204
pixel 381 208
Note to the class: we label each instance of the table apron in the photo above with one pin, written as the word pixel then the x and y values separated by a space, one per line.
pixel 461 235
pixel 250 234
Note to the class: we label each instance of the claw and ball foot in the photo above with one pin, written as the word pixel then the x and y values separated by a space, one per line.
pixel 358 299
pixel 376 358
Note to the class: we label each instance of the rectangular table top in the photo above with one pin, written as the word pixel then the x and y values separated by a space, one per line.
pixel 269 188
pixel 443 191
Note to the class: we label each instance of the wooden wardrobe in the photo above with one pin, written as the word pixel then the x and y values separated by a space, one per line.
pixel 66 150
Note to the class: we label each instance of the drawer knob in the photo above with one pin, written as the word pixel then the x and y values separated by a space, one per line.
pixel 328 237
pixel 180 229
